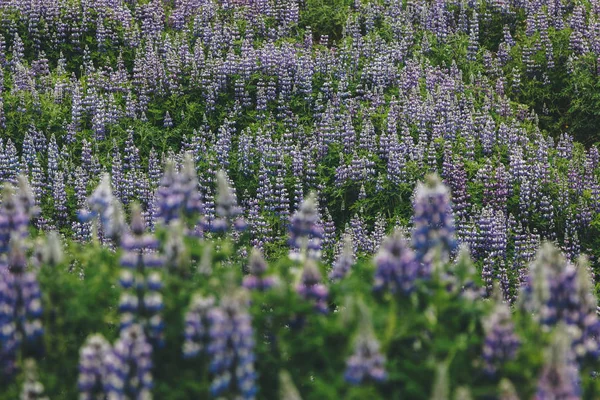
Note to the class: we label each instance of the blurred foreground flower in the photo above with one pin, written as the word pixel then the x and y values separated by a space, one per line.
pixel 305 232
pixel 129 366
pixel 92 367
pixel 433 220
pixel 397 266
pixel 560 376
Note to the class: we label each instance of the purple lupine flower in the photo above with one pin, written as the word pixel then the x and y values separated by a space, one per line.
pixel 168 121
pixel 141 301
pixel 92 367
pixel 433 222
pixel 311 288
pixel 343 264
pixel 501 343
pixel 103 204
pixel 231 346
pixel 366 363
pixel 129 366
pixel 560 293
pixel 178 195
pixel 397 265
pixel 226 207
pixel 14 218
pixel 257 267
pixel 196 325
pixel 20 307
pixel 305 230
pixel 560 375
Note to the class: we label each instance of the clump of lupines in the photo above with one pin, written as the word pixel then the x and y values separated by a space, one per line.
pixel 397 265
pixel 178 195
pixel 257 268
pixel 433 221
pixel 560 292
pixel 20 307
pixel 311 288
pixel 129 366
pixel 196 325
pixel 231 347
pixel 141 300
pixel 305 231
pixel 500 343
pixel 92 367
pixel 559 378
pixel 367 362
pixel 227 209
pixel 344 262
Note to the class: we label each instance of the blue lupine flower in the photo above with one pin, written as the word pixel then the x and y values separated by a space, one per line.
pixel 141 300
pixel 92 367
pixel 397 265
pixel 129 366
pixel 227 209
pixel 305 231
pixel 367 362
pixel 257 267
pixel 501 343
pixel 560 375
pixel 433 222
pixel 311 288
pixel 196 325
pixel 231 347
pixel 344 262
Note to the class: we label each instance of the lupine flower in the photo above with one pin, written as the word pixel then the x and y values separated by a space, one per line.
pixel 311 288
pixel 367 362
pixel 231 346
pixel 32 387
pixel 560 376
pixel 196 325
pixel 103 204
pixel 433 222
pixel 228 212
pixel 141 300
pixel 129 366
pixel 397 266
pixel 20 307
pixel 305 232
pixel 178 195
pixel 559 292
pixel 344 262
pixel 257 267
pixel 92 367
pixel 501 343
pixel 14 216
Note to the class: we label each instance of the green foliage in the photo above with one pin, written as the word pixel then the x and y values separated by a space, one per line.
pixel 325 17
pixel 418 332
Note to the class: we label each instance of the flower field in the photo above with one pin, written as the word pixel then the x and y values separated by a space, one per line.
pixel 299 199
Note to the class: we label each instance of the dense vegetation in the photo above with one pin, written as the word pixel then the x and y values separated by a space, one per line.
pixel 153 151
